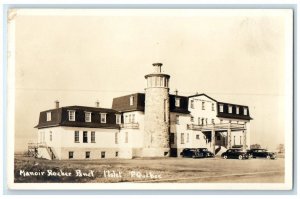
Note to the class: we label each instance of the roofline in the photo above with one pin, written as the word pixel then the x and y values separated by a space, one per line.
pixel 203 94
pixel 57 125
pixel 232 104
pixel 128 95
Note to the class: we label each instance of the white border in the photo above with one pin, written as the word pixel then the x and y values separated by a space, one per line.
pixel 148 186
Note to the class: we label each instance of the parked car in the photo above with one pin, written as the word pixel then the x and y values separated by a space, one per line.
pixel 206 153
pixel 190 153
pixel 235 153
pixel 261 153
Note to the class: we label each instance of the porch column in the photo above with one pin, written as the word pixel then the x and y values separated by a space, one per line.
pixel 229 136
pixel 245 138
pixel 213 140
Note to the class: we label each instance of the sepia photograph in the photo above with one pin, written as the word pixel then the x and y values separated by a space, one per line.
pixel 150 99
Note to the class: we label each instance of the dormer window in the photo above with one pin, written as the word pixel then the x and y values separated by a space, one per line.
pixel 118 119
pixel 88 117
pixel 229 109
pixel 48 116
pixel 237 110
pixel 177 102
pixel 221 108
pixel 71 115
pixel 131 100
pixel 245 111
pixel 103 117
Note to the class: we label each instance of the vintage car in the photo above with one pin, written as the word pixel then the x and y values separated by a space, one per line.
pixel 205 153
pixel 196 153
pixel 261 153
pixel 235 154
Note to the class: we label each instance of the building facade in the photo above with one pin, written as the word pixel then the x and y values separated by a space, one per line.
pixel 151 124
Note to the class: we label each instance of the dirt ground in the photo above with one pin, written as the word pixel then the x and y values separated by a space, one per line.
pixel 149 170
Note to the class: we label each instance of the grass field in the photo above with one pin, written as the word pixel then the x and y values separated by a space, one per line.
pixel 28 169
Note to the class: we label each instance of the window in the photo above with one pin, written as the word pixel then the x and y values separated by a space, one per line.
pixel 50 136
pixel 76 136
pixel 229 109
pixel 131 100
pixel 192 103
pixel 118 119
pixel 182 138
pixel 187 137
pixel 87 154
pixel 245 111
pixel 116 138
pixel 85 136
pixel 233 140
pixel 88 116
pixel 165 110
pixel 199 120
pixel 133 118
pixel 197 136
pixel 221 108
pixel 102 154
pixel 202 121
pixel 71 115
pixel 192 119
pixel 103 117
pixel 126 119
pixel 212 121
pixel 93 137
pixel 126 137
pixel 117 154
pixel 203 105
pixel 177 102
pixel 48 116
pixel 71 154
pixel 130 121
pixel 237 110
pixel 206 121
pixel 177 119
pixel 172 138
pixel 212 106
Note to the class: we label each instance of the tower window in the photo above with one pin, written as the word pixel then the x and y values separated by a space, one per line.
pixel 131 100
pixel 48 116
pixel 71 115
pixel 177 102
pixel 229 109
pixel 103 117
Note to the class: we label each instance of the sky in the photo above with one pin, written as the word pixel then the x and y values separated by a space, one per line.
pixel 232 56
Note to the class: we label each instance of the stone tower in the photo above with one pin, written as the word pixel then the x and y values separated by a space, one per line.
pixel 157 114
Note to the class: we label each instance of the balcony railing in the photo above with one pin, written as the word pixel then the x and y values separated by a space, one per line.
pixel 220 126
pixel 130 125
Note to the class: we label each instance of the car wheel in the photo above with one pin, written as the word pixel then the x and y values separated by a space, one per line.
pixel 225 156
pixel 268 157
pixel 193 156
pixel 240 157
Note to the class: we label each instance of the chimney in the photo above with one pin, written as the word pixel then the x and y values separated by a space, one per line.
pixel 97 103
pixel 56 104
pixel 176 92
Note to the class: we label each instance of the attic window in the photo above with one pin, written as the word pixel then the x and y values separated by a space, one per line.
pixel 131 100
pixel 229 109
pixel 71 115
pixel 177 102
pixel 48 116
pixel 221 108
pixel 88 116
pixel 103 117
pixel 245 111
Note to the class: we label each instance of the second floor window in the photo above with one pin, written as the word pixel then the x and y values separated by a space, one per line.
pixel 103 117
pixel 192 119
pixel 93 137
pixel 182 138
pixel 177 119
pixel 192 103
pixel 203 105
pixel 85 136
pixel 48 116
pixel 212 106
pixel 71 115
pixel 50 136
pixel 197 136
pixel 88 116
pixel 76 136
